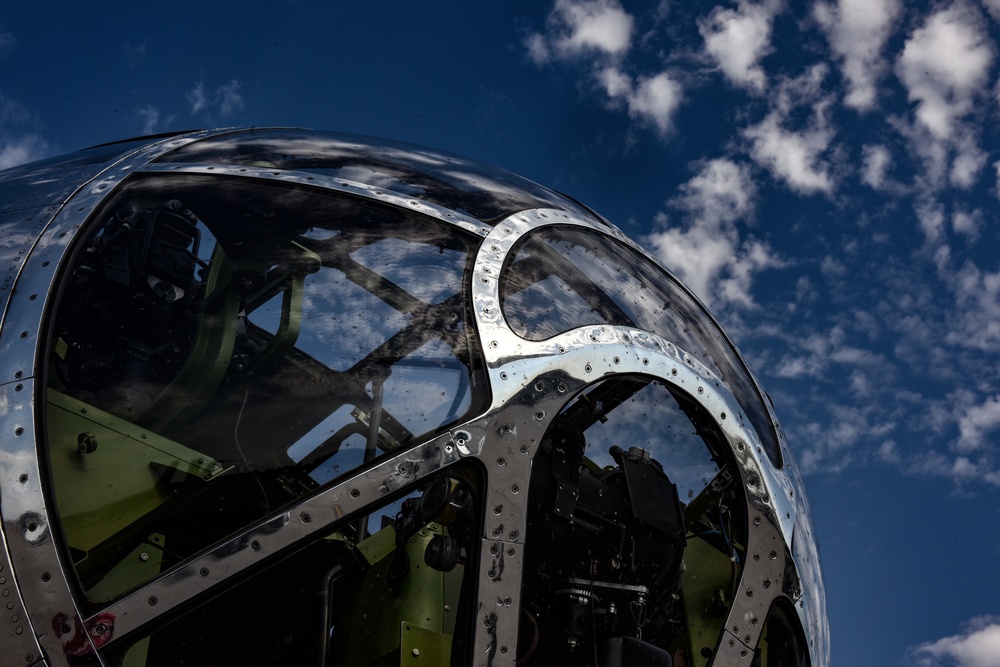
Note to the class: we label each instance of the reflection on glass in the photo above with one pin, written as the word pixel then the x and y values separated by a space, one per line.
pixel 635 531
pixel 402 591
pixel 563 278
pixel 481 191
pixel 222 348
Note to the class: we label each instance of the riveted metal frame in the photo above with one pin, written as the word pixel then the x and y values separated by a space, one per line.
pixel 38 570
pixel 531 381
pixel 340 185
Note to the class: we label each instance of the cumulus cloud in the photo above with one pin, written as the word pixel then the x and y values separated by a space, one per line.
pixel 976 422
pixel 978 645
pixel 793 157
pixel 150 117
pixel 708 253
pixel 737 39
pixel 599 33
pixel 994 8
pixel 19 142
pixel 945 66
pixel 580 28
pixel 651 100
pixel 20 150
pixel 796 157
pixel 876 161
pixel 976 320
pixel 857 31
pixel 224 101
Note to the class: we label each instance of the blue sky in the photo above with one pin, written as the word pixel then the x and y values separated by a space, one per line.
pixel 825 175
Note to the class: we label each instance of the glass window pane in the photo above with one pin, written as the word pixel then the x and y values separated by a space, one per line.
pixel 341 601
pixel 636 524
pixel 563 278
pixel 232 345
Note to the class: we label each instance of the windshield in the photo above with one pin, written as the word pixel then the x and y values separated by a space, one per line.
pixel 224 347
pixel 563 278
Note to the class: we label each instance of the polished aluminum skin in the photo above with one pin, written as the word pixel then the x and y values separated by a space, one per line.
pixel 43 208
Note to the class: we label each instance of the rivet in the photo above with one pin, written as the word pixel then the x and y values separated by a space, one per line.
pixel 701 390
pixel 19 430
pixel 503 375
pixel 617 361
pixel 588 368
pixel 514 488
pixel 756 520
pixel 723 415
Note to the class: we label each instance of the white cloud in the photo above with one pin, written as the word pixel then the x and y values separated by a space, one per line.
pixel 601 32
pixel 150 117
pixel 968 223
pixel 224 101
pixel 876 162
pixel 977 646
pixel 976 320
pixel 652 100
pixel 976 422
pixel 229 97
pixel 969 161
pixel 18 143
pixel 708 253
pixel 857 31
pixel 197 98
pixel 794 157
pixel 737 39
pixel 20 150
pixel 945 66
pixel 994 8
pixel 582 27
